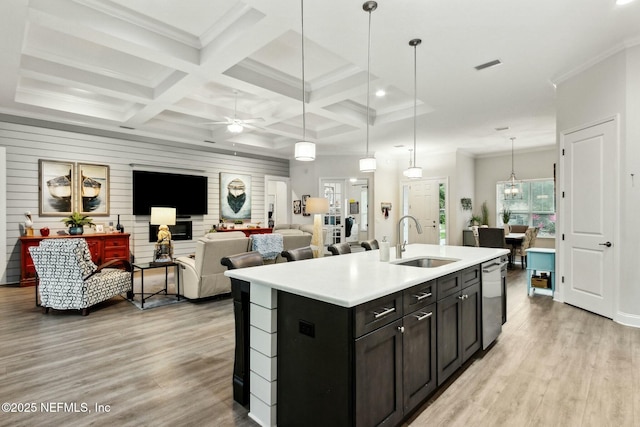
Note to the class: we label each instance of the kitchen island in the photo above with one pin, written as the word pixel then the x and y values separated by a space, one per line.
pixel 334 341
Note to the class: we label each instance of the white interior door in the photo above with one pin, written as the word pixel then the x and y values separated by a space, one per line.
pixel 590 204
pixel 424 205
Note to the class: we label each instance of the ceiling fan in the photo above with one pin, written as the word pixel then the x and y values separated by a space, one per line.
pixel 236 125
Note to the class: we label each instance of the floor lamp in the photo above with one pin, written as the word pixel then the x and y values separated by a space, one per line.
pixel 317 206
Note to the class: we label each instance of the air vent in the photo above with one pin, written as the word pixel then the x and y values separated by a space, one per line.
pixel 500 129
pixel 127 127
pixel 212 142
pixel 488 64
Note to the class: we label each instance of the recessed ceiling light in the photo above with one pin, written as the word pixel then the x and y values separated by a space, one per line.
pixel 488 65
pixel 380 93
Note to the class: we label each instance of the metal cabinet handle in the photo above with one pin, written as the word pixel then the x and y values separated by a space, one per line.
pixel 383 313
pixel 423 295
pixel 607 244
pixel 401 329
pixel 423 315
pixel 465 296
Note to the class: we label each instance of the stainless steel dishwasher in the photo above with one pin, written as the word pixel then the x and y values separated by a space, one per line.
pixel 494 299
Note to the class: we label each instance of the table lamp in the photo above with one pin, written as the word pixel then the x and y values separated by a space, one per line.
pixel 163 217
pixel 317 206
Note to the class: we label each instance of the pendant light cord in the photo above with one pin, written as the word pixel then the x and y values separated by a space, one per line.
pixel 368 79
pixel 415 98
pixel 304 94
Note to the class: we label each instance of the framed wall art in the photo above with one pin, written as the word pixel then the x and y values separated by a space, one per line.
pixel 297 210
pixel 56 188
pixel 235 196
pixel 304 204
pixel 93 189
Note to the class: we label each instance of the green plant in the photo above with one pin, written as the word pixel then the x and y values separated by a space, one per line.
pixel 475 220
pixel 77 220
pixel 506 215
pixel 484 212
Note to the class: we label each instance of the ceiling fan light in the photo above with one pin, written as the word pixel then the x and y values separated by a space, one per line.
pixel 234 127
pixel 368 164
pixel 305 151
pixel 413 172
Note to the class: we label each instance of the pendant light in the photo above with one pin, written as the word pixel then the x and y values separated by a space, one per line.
pixel 368 164
pixel 513 187
pixel 414 171
pixel 305 151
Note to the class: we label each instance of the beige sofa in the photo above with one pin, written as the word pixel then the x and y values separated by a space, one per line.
pixel 203 276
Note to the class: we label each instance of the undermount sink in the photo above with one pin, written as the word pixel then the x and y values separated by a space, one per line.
pixel 427 262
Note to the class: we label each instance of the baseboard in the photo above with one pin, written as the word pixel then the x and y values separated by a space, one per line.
pixel 627 319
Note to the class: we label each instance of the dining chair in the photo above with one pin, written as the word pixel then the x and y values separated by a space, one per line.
pixel 298 254
pixel 369 245
pixel 491 237
pixel 528 241
pixel 340 249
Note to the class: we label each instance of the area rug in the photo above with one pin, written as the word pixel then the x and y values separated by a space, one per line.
pixel 156 301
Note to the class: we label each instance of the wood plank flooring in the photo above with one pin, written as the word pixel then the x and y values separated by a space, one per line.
pixel 552 365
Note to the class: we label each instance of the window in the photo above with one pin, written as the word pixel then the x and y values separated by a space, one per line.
pixel 537 208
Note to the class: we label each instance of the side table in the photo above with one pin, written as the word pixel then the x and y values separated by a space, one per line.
pixel 541 260
pixel 148 266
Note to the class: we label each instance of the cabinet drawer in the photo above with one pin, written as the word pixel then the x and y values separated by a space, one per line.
pixel 419 296
pixel 115 241
pixel 118 252
pixel 448 285
pixel 374 314
pixel 470 276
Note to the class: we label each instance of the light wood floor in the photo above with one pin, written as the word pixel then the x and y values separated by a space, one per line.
pixel 553 365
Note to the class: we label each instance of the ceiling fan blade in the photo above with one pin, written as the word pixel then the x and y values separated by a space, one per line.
pixel 254 120
pixel 215 123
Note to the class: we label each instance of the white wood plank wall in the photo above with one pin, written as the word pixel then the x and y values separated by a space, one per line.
pixel 26 144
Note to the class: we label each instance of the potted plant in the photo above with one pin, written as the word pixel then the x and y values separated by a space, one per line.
pixel 484 211
pixel 506 216
pixel 76 223
pixel 475 220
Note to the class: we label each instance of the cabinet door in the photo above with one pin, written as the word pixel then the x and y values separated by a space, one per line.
pixel 378 375
pixel 448 324
pixel 471 312
pixel 419 356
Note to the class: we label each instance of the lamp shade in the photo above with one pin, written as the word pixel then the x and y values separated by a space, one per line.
pixel 368 164
pixel 163 216
pixel 305 151
pixel 317 205
pixel 413 172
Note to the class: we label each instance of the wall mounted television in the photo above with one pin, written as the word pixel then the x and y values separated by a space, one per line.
pixel 187 193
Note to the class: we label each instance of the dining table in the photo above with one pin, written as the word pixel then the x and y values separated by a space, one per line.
pixel 514 240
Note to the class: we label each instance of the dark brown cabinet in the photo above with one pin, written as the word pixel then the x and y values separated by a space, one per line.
pixel 459 333
pixel 365 366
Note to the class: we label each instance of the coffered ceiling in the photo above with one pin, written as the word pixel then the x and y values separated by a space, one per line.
pixel 169 68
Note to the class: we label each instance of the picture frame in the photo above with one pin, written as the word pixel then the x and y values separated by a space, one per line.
pixel 93 189
pixel 297 207
pixel 99 228
pixel 56 189
pixel 235 196
pixel 304 204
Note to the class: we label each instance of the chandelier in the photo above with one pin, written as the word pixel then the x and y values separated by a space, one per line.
pixel 513 186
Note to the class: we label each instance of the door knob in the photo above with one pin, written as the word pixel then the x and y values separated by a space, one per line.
pixel 607 244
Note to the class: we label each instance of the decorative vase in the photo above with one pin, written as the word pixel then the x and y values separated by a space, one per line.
pixel 75 231
pixel 507 229
pixel 119 227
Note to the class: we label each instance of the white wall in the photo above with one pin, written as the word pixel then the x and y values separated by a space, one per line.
pixel 606 89
pixel 26 144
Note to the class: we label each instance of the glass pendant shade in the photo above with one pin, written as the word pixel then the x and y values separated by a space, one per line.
pixel 305 151
pixel 368 164
pixel 234 127
pixel 414 172
pixel 512 187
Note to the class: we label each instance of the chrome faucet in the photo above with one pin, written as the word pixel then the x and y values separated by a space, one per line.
pixel 400 246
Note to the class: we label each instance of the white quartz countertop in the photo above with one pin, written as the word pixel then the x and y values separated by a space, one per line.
pixel 356 278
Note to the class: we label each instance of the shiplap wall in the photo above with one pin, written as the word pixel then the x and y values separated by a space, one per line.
pixel 25 145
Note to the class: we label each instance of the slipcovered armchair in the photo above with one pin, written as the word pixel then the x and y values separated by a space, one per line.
pixel 203 276
pixel 68 278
